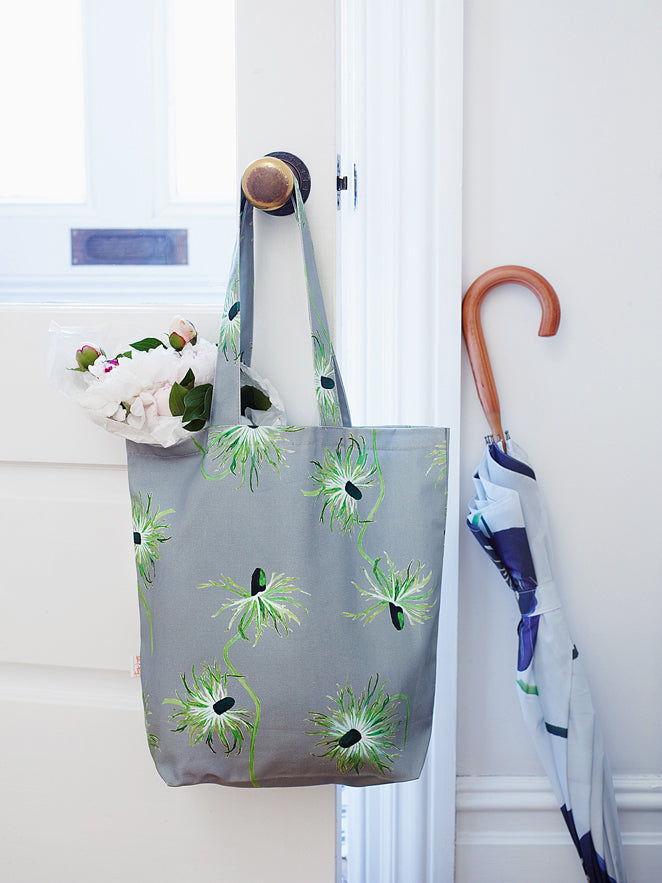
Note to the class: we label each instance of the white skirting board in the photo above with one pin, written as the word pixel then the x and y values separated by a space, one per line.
pixel 508 829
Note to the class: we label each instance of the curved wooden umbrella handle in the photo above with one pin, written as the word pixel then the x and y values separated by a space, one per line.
pixel 475 340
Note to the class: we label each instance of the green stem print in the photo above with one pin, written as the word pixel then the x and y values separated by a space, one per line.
pixel 405 699
pixel 256 702
pixel 152 738
pixel 143 600
pixel 391 589
pixel 207 711
pixel 439 461
pixel 341 479
pixel 266 604
pixel 359 728
pixel 242 450
pixel 378 502
pixel 229 334
pixel 148 533
pixel 398 591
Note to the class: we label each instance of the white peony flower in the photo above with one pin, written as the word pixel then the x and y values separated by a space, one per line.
pixel 201 359
pixel 143 411
pixel 130 395
pixel 162 399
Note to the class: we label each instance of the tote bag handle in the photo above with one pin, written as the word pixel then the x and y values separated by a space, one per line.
pixel 236 335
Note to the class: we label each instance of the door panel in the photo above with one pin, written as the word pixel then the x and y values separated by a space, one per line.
pixel 82 799
pixel 69 582
pixel 85 805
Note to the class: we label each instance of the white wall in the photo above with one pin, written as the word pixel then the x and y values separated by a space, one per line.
pixel 563 173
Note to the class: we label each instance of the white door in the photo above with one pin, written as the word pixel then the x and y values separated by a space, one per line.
pixel 81 800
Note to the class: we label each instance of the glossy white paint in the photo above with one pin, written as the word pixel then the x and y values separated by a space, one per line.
pixel 561 160
pixel 401 264
pixel 82 799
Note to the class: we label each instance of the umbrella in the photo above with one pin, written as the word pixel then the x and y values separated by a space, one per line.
pixel 508 518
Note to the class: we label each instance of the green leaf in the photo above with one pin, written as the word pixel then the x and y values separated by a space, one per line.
pixel 195 425
pixel 176 400
pixel 188 380
pixel 126 355
pixel 252 397
pixel 193 406
pixel 195 398
pixel 197 405
pixel 208 397
pixel 146 344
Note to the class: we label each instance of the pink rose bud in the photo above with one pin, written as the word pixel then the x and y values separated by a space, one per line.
pixel 86 356
pixel 181 332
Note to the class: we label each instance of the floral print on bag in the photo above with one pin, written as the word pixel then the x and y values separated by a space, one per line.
pixel 341 478
pixel 242 450
pixel 266 604
pixel 358 730
pixel 207 711
pixel 148 533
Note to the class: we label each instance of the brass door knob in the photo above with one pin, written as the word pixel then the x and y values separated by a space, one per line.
pixel 269 181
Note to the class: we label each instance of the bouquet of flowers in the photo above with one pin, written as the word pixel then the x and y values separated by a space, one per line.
pixel 157 390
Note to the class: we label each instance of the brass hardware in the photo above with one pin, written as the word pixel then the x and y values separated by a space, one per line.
pixel 268 182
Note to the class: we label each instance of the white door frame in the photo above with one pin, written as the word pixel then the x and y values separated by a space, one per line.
pixel 400 339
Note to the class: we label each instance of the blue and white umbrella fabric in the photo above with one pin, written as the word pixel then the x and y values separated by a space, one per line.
pixel 508 518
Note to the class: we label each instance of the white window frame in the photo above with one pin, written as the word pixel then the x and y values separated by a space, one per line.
pixel 128 179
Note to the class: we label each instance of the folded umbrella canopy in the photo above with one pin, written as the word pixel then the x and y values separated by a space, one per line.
pixel 508 518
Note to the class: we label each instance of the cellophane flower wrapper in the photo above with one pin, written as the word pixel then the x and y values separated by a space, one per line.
pixel 142 382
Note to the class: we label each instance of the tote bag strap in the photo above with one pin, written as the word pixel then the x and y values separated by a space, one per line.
pixel 236 334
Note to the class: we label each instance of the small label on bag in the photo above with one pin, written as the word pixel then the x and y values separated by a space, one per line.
pixel 134 671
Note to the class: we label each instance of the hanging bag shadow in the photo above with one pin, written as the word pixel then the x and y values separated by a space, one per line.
pixel 289 580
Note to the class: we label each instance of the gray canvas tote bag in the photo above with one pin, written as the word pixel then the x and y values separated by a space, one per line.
pixel 290 579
